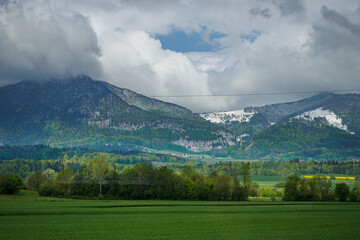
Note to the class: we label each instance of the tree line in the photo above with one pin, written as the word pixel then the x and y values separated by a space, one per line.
pixel 142 181
pixel 319 188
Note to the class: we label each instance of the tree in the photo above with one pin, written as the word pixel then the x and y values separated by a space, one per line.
pixel 63 181
pixel 355 194
pixel 99 168
pixel 255 190
pixel 168 185
pixel 35 180
pixel 136 181
pixel 239 193
pixel 49 173
pixel 245 174
pixel 246 179
pixel 342 191
pixel 187 171
pixel 48 188
pixel 291 192
pixel 357 182
pixel 326 193
pixel 221 190
pixel 308 190
pixel 10 184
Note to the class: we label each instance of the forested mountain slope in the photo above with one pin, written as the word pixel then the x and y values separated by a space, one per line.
pixel 324 126
pixel 81 111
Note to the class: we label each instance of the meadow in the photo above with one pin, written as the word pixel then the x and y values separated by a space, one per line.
pixel 28 216
pixel 271 181
pixel 268 181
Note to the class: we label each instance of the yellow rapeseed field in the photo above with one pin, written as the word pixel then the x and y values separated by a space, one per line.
pixel 343 178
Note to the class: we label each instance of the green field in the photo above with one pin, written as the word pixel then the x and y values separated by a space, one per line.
pixel 32 217
pixel 268 181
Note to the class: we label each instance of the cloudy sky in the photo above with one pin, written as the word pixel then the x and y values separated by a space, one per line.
pixel 171 48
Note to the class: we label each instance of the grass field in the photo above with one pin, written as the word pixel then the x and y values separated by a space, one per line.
pixel 267 181
pixel 33 217
pixel 270 181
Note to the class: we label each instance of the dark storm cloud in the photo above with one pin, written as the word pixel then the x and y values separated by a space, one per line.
pixel 340 20
pixel 266 13
pixel 37 41
pixel 337 33
pixel 290 7
pixel 4 2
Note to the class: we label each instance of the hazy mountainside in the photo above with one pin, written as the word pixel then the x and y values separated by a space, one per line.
pixel 83 100
pixel 82 111
pixel 149 104
pixel 323 126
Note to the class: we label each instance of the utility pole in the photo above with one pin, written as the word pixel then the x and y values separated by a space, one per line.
pixel 100 185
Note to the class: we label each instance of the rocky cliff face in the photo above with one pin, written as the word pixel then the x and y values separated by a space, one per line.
pixel 226 140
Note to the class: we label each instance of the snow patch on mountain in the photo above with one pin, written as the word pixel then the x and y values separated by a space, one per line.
pixel 330 117
pixel 231 116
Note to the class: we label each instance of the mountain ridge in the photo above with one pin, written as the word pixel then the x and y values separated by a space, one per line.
pixel 84 102
pixel 336 104
pixel 84 113
pixel 319 127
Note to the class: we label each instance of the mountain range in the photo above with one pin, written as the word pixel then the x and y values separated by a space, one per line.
pixel 326 125
pixel 84 113
pixel 326 105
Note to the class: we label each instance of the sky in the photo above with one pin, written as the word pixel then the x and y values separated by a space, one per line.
pixel 169 48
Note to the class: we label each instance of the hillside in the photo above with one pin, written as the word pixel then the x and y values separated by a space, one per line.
pixel 95 114
pixel 320 127
pixel 83 113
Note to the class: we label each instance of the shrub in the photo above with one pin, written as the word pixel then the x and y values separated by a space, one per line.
pixel 342 191
pixel 48 188
pixel 35 180
pixel 355 194
pixel 10 184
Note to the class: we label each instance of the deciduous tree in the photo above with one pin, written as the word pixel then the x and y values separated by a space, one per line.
pixel 291 192
pixel 342 191
pixel 10 184
pixel 99 168
pixel 35 180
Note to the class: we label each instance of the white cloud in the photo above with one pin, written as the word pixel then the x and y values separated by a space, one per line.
pixel 134 60
pixel 300 48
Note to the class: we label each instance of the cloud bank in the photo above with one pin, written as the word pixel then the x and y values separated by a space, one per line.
pixel 37 42
pixel 261 46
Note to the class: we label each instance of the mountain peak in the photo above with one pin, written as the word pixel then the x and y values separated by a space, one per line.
pixel 323 95
pixel 80 102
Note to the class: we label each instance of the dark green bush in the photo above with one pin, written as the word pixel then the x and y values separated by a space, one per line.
pixel 10 184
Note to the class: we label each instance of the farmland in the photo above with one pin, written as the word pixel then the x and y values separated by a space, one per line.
pixel 33 217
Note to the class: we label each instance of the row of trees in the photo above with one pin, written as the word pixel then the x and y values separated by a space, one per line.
pixel 25 167
pixel 143 181
pixel 286 168
pixel 24 160
pixel 318 188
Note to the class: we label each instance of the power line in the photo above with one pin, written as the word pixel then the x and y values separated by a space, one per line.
pixel 200 95
pixel 253 94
